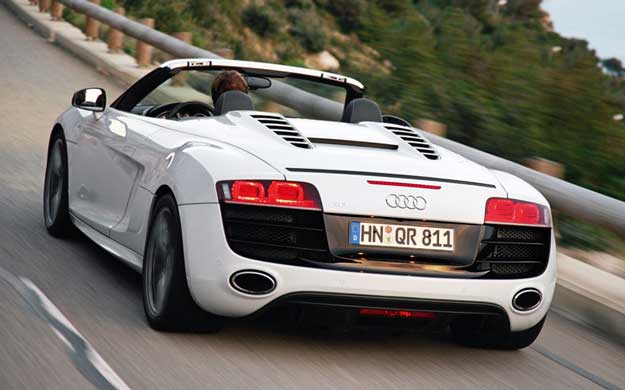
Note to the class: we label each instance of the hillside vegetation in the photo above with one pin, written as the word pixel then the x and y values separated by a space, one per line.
pixel 496 76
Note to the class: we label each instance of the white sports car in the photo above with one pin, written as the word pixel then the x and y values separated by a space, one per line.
pixel 233 208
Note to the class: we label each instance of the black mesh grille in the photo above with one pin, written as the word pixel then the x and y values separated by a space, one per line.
pixel 275 234
pixel 513 251
pixel 511 269
pixel 520 234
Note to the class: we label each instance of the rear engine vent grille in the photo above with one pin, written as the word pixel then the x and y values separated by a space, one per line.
pixel 283 129
pixel 277 235
pixel 415 140
pixel 513 251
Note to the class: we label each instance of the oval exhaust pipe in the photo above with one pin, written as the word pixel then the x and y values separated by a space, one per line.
pixel 527 299
pixel 253 282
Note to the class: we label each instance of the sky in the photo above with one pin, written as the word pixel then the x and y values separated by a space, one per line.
pixel 600 22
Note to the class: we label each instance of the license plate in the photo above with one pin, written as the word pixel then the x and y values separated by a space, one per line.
pixel 401 236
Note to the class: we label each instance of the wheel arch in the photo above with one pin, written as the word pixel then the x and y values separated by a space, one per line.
pixel 57 129
pixel 163 190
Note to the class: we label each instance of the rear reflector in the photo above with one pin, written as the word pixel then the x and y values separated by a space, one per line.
pixel 510 211
pixel 398 184
pixel 397 313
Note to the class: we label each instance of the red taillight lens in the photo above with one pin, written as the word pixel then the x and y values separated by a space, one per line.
pixel 499 210
pixel 288 194
pixel 270 193
pixel 248 191
pixel 397 313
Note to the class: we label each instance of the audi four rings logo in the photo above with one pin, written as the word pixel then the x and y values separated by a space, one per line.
pixel 406 202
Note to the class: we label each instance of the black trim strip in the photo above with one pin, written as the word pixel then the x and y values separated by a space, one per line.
pixel 362 144
pixel 397 176
pixel 354 301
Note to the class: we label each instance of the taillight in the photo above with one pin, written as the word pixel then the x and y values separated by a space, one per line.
pixel 517 212
pixel 270 193
pixel 248 191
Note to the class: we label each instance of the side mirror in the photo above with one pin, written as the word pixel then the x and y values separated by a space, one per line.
pixel 92 99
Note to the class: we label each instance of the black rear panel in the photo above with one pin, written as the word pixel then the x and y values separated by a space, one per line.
pixel 513 251
pixel 300 237
pixel 274 234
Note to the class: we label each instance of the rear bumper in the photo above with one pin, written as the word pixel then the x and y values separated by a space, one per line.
pixel 210 263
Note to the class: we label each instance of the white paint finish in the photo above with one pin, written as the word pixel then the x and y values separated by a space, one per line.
pixel 119 160
pixel 210 262
pixel 131 231
pixel 240 130
pixel 519 189
pixel 102 169
pixel 342 131
pixel 134 259
pixel 349 194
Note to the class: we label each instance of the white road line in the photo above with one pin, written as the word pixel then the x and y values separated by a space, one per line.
pixel 84 356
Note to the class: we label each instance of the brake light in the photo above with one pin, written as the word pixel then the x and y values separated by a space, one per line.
pixel 510 211
pixel 248 191
pixel 397 313
pixel 270 193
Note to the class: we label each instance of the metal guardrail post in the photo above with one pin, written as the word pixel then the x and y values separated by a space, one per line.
pixel 143 52
pixel 92 28
pixel 56 11
pixel 116 38
pixel 184 36
pixel 571 199
pixel 431 126
pixel 44 5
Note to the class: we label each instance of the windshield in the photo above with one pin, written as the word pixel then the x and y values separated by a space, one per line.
pixel 195 85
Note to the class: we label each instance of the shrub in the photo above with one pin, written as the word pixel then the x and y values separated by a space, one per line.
pixel 308 30
pixel 302 4
pixel 108 4
pixel 260 19
pixel 349 13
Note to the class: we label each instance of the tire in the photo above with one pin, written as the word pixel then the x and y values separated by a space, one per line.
pixel 55 194
pixel 477 332
pixel 167 302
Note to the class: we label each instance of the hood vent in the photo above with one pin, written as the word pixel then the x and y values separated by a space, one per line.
pixel 415 140
pixel 284 129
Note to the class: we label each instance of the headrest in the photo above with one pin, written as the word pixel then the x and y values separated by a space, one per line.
pixel 233 101
pixel 361 110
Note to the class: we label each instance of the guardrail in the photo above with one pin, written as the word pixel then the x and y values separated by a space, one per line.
pixel 568 198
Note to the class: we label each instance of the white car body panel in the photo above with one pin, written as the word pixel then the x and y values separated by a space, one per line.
pixel 118 161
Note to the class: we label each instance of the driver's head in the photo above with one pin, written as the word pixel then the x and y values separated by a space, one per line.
pixel 229 80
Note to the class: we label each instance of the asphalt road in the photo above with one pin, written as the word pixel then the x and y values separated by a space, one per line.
pixel 102 299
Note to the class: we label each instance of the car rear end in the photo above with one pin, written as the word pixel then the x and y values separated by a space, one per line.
pixel 377 246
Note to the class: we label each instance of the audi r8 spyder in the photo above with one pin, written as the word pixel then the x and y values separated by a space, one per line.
pixel 232 207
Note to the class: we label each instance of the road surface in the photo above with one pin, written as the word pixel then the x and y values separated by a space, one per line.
pixel 101 299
